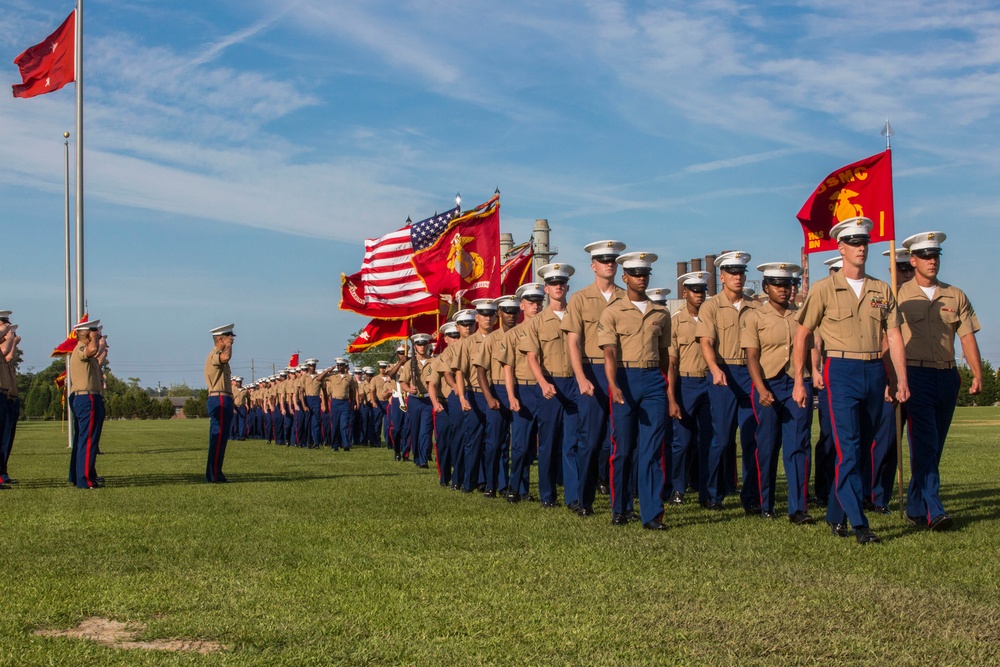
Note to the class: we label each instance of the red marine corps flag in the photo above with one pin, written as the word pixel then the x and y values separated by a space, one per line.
pixel 48 66
pixel 517 269
pixel 860 189
pixel 464 261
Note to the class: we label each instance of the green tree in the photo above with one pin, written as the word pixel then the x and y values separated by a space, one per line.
pixel 166 409
pixel 382 352
pixel 991 386
pixel 180 390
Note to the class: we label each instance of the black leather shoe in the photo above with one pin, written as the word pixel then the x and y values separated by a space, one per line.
pixel 585 511
pixel 399 458
pixel 632 515
pixel 548 505
pixel 4 487
pixel 97 485
pixel 655 524
pixel 603 489
pixel 12 481
pixel 767 515
pixel 454 487
pixel 423 465
pixel 489 494
pixel 919 522
pixel 881 509
pixel 619 520
pixel 752 510
pixel 513 498
pixel 800 518
pixel 839 529
pixel 866 536
pixel 676 498
pixel 715 507
pixel 941 522
pixel 528 498
pixel 574 506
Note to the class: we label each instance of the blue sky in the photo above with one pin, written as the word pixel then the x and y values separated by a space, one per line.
pixel 238 153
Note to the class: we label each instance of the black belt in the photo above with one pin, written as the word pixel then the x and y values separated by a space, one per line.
pixel 940 365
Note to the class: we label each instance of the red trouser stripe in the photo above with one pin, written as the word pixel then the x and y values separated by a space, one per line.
pixel 614 449
pixel 756 437
pixel 833 427
pixel 90 441
pixel 218 445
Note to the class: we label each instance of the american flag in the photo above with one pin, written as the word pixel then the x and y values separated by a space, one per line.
pixel 387 272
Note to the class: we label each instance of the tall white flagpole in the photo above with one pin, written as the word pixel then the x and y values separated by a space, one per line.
pixel 80 300
pixel 69 302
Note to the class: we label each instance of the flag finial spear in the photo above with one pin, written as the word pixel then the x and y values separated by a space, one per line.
pixel 887 132
pixel 458 199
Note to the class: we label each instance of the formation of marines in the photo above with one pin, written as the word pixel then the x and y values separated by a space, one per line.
pixel 608 392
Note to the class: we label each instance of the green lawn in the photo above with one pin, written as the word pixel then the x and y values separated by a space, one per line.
pixel 321 557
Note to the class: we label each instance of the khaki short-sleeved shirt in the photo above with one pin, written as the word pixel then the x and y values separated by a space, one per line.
pixel 719 321
pixel 422 381
pixel 583 312
pixel 684 343
pixel 217 375
pixel 438 367
pixel 489 357
pixel 930 325
pixel 383 387
pixel 845 322
pixel 773 334
pixel 5 376
pixel 310 385
pixel 339 386
pixel 510 356
pixel 640 337
pixel 469 348
pixel 544 336
pixel 240 396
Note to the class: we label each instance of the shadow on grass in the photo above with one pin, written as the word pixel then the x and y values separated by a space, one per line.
pixel 131 481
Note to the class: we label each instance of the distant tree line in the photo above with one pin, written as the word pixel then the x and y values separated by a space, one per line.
pixel 42 399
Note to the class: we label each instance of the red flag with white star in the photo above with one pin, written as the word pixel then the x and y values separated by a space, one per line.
pixel 50 65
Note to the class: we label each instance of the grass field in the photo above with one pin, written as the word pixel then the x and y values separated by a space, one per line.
pixel 321 557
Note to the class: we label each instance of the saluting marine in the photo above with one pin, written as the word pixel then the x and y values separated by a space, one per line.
pixel 220 400
pixel 10 404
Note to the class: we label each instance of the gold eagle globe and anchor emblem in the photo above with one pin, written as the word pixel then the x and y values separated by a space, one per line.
pixel 467 264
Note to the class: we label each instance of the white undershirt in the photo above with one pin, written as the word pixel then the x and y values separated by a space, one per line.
pixel 738 304
pixel 641 305
pixel 929 291
pixel 560 314
pixel 856 285
pixel 608 295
